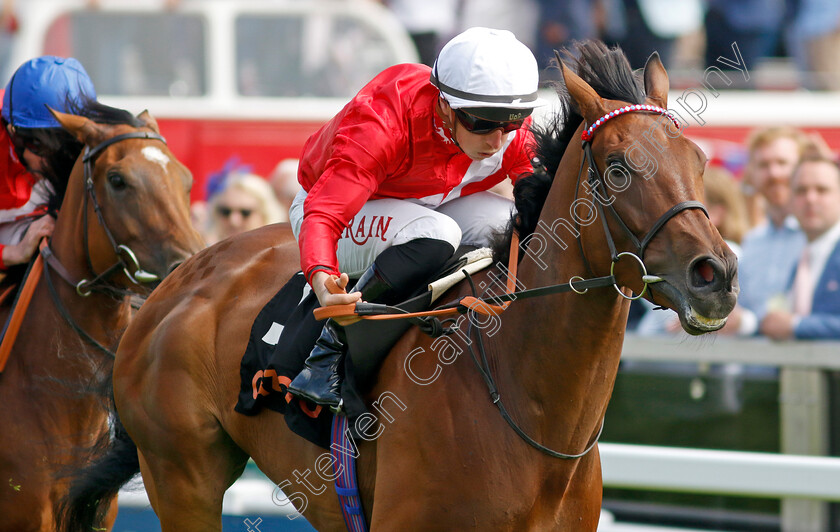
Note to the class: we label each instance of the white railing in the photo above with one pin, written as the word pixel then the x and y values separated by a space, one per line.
pixel 802 482
pixel 720 472
pixel 722 349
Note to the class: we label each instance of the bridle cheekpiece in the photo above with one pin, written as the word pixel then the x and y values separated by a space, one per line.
pixel 596 180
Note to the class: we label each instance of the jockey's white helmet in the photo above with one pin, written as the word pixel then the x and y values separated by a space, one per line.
pixel 487 68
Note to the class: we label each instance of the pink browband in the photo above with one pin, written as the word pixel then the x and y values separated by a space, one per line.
pixel 586 136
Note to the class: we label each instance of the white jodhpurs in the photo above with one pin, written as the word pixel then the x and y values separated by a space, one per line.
pixel 383 223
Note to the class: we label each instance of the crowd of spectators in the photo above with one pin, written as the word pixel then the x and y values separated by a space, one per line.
pixel 688 33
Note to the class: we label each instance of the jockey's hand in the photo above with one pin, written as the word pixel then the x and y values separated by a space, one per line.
pixel 23 251
pixel 331 289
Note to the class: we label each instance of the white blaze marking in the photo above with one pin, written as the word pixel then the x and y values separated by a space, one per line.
pixel 154 154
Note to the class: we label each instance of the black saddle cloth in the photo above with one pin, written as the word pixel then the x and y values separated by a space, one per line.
pixel 281 339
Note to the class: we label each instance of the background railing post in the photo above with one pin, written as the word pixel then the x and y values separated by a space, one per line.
pixel 803 403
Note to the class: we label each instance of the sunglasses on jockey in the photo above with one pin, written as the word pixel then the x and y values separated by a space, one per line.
pixel 29 144
pixel 482 126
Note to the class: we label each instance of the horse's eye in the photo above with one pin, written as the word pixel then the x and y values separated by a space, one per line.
pixel 117 181
pixel 616 160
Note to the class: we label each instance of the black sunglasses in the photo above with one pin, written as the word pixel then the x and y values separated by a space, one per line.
pixel 33 145
pixel 225 212
pixel 480 126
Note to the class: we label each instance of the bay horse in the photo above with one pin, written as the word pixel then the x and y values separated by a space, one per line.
pixel 440 455
pixel 124 222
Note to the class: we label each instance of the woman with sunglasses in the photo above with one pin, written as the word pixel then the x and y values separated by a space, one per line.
pixel 396 181
pixel 244 202
pixel 36 154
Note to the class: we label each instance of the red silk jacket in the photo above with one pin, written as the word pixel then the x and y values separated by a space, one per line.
pixel 388 142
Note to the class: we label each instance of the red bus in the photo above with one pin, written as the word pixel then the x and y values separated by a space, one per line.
pixel 245 78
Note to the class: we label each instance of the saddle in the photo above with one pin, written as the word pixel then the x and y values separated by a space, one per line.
pixel 285 331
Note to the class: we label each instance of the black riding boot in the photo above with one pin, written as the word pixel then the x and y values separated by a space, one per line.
pixel 396 273
pixel 319 381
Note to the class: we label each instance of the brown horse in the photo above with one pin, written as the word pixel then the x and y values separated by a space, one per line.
pixel 440 456
pixel 124 220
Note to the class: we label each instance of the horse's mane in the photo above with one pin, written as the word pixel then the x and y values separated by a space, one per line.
pixel 608 72
pixel 104 114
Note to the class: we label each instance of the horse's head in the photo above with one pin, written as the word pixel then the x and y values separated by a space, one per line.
pixel 645 181
pixel 127 201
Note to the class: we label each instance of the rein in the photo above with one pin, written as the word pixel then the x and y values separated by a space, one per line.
pixel 597 180
pixel 63 310
pixel 85 287
pixel 484 369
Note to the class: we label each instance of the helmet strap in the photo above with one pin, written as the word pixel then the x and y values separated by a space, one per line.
pixel 448 122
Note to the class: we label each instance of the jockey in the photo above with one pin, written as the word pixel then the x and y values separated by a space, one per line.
pixel 36 154
pixel 395 182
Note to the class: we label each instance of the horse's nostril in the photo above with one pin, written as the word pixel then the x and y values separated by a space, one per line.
pixel 703 273
pixel 706 272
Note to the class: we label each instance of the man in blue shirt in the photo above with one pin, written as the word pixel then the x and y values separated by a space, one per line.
pixel 771 250
pixel 813 311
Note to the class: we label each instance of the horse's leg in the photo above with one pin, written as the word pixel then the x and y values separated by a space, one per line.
pixel 186 487
pixel 111 517
pixel 148 483
pixel 186 458
pixel 580 508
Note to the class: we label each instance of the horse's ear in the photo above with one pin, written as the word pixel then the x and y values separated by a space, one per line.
pixel 591 105
pixel 86 130
pixel 656 81
pixel 147 118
